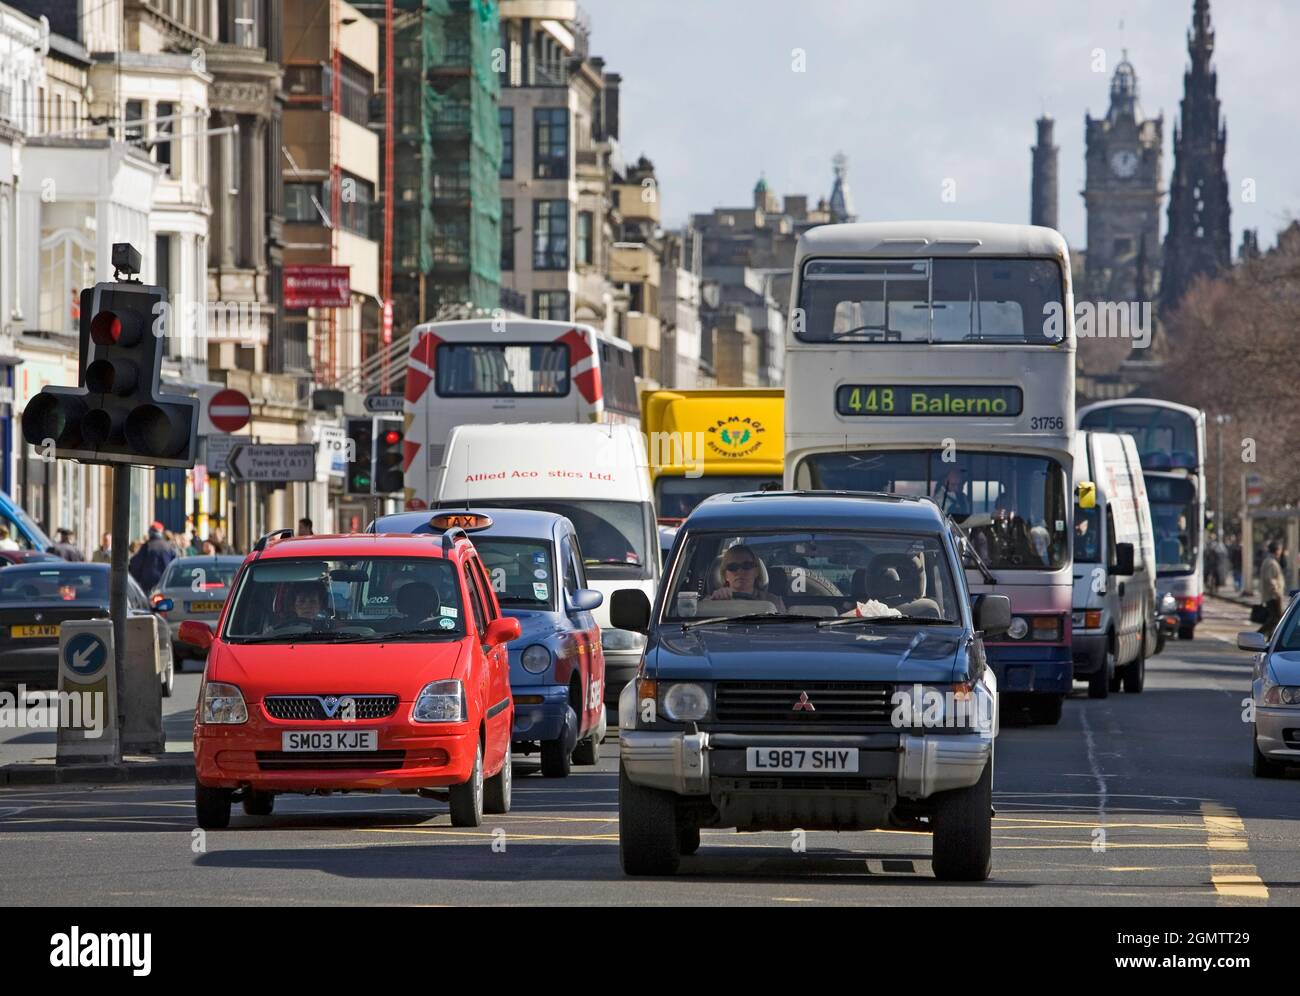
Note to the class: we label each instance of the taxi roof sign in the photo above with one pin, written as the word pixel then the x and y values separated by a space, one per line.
pixel 468 521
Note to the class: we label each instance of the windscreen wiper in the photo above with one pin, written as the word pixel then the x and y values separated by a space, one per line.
pixel 975 557
pixel 309 637
pixel 882 620
pixel 866 328
pixel 422 631
pixel 750 617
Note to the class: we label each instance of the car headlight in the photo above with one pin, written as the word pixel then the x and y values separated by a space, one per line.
pixel 535 658
pixel 621 640
pixel 961 706
pixel 1018 628
pixel 1284 695
pixel 685 702
pixel 223 704
pixel 440 702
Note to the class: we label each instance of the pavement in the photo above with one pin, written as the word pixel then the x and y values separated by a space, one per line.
pixel 1143 800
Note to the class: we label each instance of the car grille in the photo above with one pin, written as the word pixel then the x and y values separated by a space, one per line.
pixel 313 708
pixel 370 760
pixel 851 702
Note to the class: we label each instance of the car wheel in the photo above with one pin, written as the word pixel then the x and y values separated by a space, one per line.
pixel 688 840
pixel 1186 632
pixel 1160 642
pixel 1099 682
pixel 212 806
pixel 169 679
pixel 258 803
pixel 1046 709
pixel 588 751
pixel 1261 766
pixel 648 841
pixel 467 797
pixel 556 761
pixel 1135 675
pixel 496 794
pixel 963 831
pixel 1116 680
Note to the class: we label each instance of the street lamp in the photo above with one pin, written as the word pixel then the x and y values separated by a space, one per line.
pixel 1220 421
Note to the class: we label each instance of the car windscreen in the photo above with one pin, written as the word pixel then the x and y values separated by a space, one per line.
pixel 292 600
pixel 202 576
pixel 821 574
pixel 676 497
pixel 1013 506
pixel 19 585
pixel 521 571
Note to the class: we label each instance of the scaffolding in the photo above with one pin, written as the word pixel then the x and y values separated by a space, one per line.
pixel 446 159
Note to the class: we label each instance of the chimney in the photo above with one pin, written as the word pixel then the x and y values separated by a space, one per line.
pixel 1043 185
pixel 612 83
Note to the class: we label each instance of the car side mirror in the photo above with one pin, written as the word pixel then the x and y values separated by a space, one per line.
pixel 502 630
pixel 195 634
pixel 586 600
pixel 1123 566
pixel 163 605
pixel 630 609
pixel 1254 642
pixel 992 614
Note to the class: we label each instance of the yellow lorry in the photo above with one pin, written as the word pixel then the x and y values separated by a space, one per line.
pixel 707 442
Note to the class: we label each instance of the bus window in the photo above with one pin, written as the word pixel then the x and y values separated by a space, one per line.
pixel 477 369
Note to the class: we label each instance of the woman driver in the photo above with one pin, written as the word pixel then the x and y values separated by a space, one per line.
pixel 740 567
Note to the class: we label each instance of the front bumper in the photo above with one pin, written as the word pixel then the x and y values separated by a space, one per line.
pixel 536 721
pixel 1088 650
pixel 1277 733
pixel 409 756
pixel 1046 668
pixel 36 667
pixel 917 766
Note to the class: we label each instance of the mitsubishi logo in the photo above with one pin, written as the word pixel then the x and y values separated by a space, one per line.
pixel 804 704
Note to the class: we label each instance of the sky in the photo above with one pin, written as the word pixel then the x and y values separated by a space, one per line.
pixel 922 92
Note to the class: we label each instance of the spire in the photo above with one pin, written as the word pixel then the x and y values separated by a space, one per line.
pixel 1124 91
pixel 841 205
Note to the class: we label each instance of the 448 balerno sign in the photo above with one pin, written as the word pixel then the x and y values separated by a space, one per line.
pixel 928 399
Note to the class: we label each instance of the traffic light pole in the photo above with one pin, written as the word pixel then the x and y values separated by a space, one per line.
pixel 117 582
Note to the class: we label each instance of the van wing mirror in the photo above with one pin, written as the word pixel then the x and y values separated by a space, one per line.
pixel 1123 566
pixel 630 609
pixel 992 614
pixel 1085 494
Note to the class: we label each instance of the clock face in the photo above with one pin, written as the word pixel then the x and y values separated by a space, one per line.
pixel 1124 163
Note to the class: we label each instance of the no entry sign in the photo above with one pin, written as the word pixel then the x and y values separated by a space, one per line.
pixel 229 410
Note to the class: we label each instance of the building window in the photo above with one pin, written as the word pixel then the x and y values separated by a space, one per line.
pixel 67 265
pixel 358 86
pixel 506 115
pixel 301 202
pixel 550 235
pixel 551 306
pixel 551 143
pixel 163 131
pixel 133 130
pixel 583 243
pixel 355 204
pixel 507 233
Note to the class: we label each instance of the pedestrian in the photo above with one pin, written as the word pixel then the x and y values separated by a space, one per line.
pixel 65 548
pixel 1271 584
pixel 151 560
pixel 304 527
pixel 104 552
pixel 7 542
pixel 218 537
pixel 207 549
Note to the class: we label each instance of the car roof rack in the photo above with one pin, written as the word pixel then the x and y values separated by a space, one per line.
pixel 274 534
pixel 450 537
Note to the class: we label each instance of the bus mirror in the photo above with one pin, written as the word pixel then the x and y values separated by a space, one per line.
pixel 1085 494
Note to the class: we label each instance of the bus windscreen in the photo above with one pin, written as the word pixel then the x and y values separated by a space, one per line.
pixel 482 369
pixel 1166 439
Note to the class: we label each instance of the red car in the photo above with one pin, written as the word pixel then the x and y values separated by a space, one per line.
pixel 355 663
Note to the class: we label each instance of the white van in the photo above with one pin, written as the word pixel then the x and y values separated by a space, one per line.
pixel 596 475
pixel 1114 566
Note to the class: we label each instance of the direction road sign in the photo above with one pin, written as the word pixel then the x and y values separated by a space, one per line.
pixel 229 410
pixel 273 464
pixel 85 655
pixel 384 402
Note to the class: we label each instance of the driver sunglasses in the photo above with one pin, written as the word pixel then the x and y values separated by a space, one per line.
pixel 736 565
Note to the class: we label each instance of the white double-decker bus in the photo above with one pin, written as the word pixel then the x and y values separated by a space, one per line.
pixel 506 370
pixel 1171 445
pixel 937 358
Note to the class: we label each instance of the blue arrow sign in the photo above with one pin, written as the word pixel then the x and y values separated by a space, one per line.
pixel 85 654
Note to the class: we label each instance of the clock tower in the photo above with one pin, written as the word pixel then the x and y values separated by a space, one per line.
pixel 1123 195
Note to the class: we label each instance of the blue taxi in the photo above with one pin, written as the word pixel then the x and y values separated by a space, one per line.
pixel 557 667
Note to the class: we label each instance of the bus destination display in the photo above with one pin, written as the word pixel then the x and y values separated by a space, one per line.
pixel 928 399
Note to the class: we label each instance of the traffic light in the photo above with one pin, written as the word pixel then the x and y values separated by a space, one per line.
pixel 389 433
pixel 361 456
pixel 117 413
